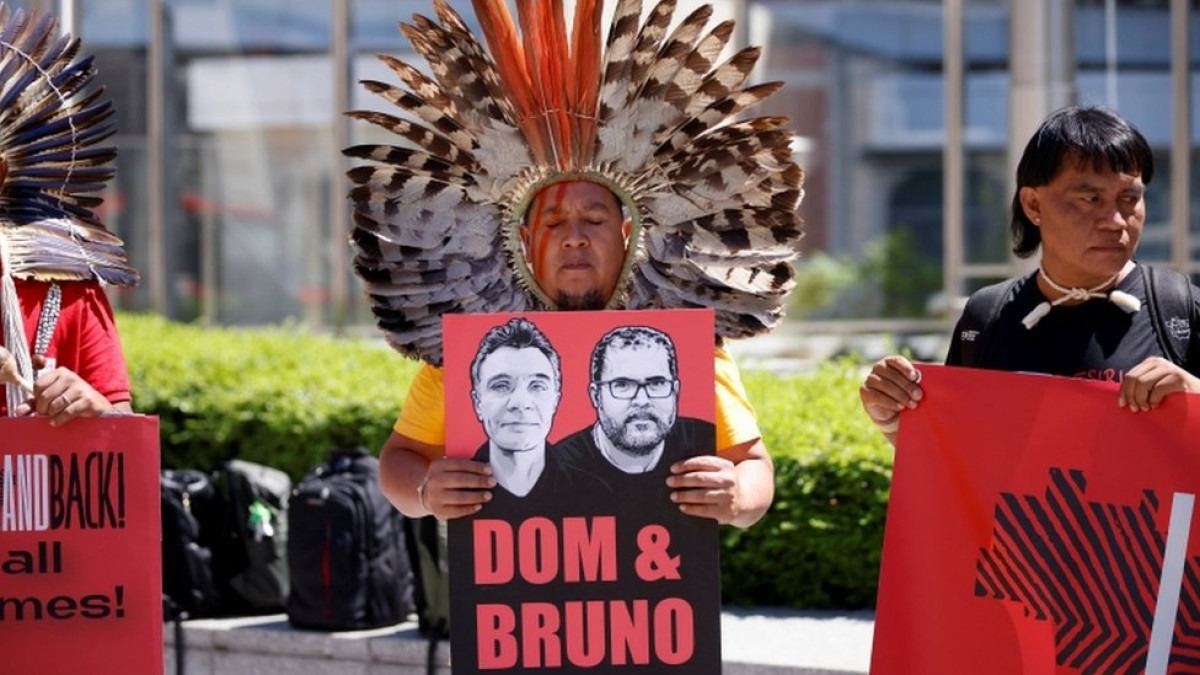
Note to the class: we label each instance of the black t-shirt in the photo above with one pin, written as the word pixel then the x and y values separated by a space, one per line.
pixel 579 481
pixel 1095 339
pixel 638 499
pixel 583 465
pixel 548 484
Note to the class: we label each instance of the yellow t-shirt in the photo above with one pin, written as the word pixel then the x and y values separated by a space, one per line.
pixel 423 417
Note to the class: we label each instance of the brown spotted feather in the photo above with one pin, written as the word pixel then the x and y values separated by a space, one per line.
pixel 717 196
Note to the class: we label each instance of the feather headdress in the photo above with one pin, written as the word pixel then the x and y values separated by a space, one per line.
pixel 51 163
pixel 649 114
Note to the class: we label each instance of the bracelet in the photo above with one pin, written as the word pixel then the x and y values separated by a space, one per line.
pixel 421 493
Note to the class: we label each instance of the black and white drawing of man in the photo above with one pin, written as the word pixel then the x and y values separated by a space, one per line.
pixel 634 389
pixel 516 385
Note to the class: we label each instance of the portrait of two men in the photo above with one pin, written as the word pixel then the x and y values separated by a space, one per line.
pixel 580 559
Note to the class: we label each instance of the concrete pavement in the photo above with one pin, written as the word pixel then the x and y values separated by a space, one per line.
pixel 754 641
pixel 771 641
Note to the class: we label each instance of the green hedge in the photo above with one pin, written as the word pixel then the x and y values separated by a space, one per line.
pixel 275 396
pixel 819 544
pixel 282 397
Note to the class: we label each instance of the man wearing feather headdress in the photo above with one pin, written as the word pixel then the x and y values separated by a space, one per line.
pixel 552 173
pixel 61 356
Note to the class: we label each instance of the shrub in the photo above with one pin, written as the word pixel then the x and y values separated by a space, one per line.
pixel 820 280
pixel 905 276
pixel 819 544
pixel 275 396
pixel 892 278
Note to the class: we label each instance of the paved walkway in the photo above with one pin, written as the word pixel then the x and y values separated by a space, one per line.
pixel 777 641
pixel 754 641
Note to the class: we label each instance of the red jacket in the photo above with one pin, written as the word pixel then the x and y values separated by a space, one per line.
pixel 85 339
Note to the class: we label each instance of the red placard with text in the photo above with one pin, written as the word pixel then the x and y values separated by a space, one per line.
pixel 1036 527
pixel 80 556
pixel 588 566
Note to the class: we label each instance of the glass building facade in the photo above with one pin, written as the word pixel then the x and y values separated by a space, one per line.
pixel 230 190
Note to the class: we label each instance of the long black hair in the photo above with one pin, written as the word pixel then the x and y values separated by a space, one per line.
pixel 1089 135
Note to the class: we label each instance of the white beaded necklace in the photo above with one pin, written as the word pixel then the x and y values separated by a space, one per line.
pixel 1119 298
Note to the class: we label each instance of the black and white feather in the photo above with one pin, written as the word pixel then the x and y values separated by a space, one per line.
pixel 715 195
pixel 53 159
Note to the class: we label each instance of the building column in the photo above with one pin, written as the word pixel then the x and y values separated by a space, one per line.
pixel 1042 72
pixel 339 217
pixel 953 153
pixel 1181 141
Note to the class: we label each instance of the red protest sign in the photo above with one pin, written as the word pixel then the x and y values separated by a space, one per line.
pixel 1036 527
pixel 80 563
pixel 581 561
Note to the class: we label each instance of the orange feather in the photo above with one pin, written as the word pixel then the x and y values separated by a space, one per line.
pixel 585 76
pixel 547 56
pixel 553 82
pixel 513 70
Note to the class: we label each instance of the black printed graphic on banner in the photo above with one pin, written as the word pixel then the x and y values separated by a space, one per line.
pixel 1094 570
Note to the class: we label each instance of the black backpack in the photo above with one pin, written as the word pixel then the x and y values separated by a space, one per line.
pixel 346 551
pixel 188 501
pixel 250 533
pixel 1170 301
pixel 427 548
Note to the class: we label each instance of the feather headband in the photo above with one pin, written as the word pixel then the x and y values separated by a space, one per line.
pixel 51 160
pixel 649 114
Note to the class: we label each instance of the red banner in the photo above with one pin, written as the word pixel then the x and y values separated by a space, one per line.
pixel 80 561
pixel 1036 527
pixel 588 567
